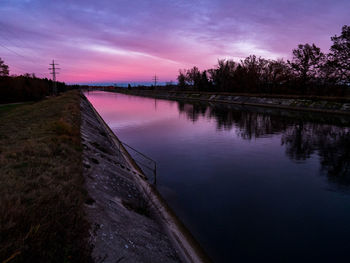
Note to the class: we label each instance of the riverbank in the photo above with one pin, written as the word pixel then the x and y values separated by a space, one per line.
pixel 124 227
pixel 70 193
pixel 125 209
pixel 42 191
pixel 242 163
pixel 314 104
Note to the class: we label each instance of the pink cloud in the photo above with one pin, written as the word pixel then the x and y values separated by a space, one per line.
pixel 132 40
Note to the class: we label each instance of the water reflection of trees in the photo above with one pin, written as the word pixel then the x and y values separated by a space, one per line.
pixel 192 111
pixel 302 134
pixel 300 140
pixel 335 155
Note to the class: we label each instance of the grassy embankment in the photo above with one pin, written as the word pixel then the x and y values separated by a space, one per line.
pixel 41 182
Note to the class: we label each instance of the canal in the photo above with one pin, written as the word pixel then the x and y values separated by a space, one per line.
pixel 251 184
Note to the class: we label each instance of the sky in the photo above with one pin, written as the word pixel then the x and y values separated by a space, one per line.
pixel 132 40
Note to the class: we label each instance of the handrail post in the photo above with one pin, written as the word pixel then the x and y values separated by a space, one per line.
pixel 121 144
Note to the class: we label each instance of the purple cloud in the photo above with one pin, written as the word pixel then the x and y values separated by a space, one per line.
pixel 131 40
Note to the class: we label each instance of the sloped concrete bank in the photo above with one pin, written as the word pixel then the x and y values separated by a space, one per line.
pixel 290 103
pixel 130 221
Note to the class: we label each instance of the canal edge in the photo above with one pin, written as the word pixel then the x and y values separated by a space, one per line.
pixel 181 238
pixel 242 100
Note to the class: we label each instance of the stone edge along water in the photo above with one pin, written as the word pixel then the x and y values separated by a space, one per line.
pixel 318 105
pixel 188 248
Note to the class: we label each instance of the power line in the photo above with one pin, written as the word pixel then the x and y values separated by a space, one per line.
pixel 28 59
pixel 19 68
pixel 9 32
pixel 10 41
pixel 14 52
pixel 18 54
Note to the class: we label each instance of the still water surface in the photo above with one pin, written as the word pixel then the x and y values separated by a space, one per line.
pixel 251 184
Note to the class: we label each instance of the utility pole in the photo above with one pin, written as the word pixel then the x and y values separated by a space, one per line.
pixel 155 79
pixel 53 73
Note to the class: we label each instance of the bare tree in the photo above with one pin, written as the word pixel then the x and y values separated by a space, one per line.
pixel 193 76
pixel 223 75
pixel 339 57
pixel 181 78
pixel 307 62
pixel 310 71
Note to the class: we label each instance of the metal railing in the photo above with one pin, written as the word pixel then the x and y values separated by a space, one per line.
pixel 145 163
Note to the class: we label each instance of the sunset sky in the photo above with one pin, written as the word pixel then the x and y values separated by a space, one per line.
pixel 119 40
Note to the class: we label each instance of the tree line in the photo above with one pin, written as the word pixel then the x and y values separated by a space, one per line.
pixel 310 71
pixel 26 87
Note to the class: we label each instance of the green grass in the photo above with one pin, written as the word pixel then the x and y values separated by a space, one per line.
pixel 41 182
pixel 5 108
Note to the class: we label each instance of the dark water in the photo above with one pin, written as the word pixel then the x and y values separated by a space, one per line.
pixel 252 184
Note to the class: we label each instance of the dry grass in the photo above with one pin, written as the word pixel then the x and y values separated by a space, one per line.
pixel 41 183
pixel 6 108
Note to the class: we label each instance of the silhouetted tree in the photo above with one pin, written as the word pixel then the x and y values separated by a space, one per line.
pixel 339 57
pixel 26 87
pixel 278 74
pixel 193 77
pixel 181 78
pixel 204 84
pixel 307 62
pixel 4 69
pixel 256 70
pixel 223 75
pixel 310 72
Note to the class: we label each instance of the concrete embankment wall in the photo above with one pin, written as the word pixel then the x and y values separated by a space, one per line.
pixel 124 229
pixel 340 106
